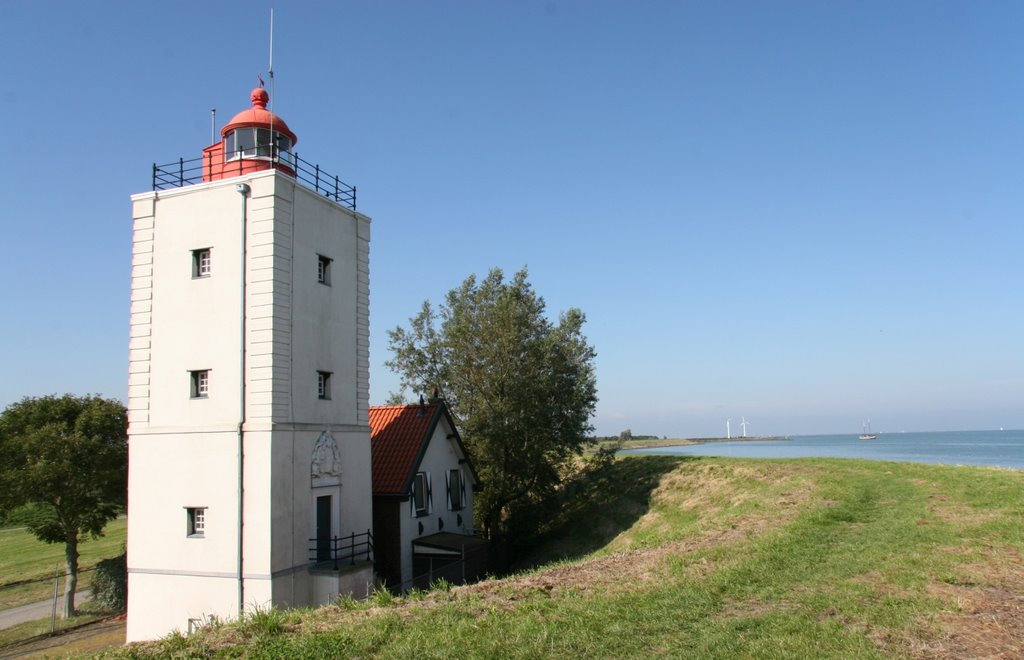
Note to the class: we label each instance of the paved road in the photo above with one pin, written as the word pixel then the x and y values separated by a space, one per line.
pixel 34 611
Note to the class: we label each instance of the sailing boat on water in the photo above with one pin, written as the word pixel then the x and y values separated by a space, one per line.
pixel 866 434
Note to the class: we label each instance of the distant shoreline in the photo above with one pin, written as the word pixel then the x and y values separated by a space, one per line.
pixel 648 443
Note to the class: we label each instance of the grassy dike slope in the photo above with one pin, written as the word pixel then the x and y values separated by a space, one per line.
pixel 713 557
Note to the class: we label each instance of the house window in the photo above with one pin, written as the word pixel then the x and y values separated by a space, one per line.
pixel 201 262
pixel 196 517
pixel 421 494
pixel 200 383
pixel 456 490
pixel 323 269
pixel 323 384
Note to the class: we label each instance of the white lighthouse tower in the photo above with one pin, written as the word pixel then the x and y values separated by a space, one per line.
pixel 249 442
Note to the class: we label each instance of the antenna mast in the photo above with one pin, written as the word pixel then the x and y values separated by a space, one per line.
pixel 270 69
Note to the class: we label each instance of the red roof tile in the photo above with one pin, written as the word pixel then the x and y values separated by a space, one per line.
pixel 398 435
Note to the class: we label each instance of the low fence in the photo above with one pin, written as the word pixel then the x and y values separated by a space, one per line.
pixel 472 565
pixel 30 608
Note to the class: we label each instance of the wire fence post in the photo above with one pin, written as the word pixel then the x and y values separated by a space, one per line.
pixel 53 608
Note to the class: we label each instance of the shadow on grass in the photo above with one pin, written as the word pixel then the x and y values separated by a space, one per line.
pixel 596 506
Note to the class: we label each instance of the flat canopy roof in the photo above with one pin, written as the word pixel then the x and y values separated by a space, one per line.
pixel 446 544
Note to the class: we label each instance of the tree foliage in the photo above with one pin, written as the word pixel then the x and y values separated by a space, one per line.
pixel 67 457
pixel 521 389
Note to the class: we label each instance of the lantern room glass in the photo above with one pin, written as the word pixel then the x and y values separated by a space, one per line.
pixel 252 142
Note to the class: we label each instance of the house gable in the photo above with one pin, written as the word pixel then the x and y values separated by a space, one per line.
pixel 400 438
pixel 420 444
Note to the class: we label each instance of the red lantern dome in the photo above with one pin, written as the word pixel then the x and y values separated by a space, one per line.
pixel 255 139
pixel 259 117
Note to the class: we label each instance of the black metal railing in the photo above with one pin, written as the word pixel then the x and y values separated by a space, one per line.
pixel 196 170
pixel 338 550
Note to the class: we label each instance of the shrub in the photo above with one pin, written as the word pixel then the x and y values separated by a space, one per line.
pixel 381 597
pixel 27 515
pixel 264 621
pixel 440 584
pixel 110 584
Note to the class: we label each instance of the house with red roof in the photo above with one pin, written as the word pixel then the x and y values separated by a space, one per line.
pixel 423 487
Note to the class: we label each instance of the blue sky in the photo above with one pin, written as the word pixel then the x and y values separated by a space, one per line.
pixel 805 213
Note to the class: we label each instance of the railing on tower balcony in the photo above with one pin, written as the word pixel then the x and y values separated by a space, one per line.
pixel 341 550
pixel 196 170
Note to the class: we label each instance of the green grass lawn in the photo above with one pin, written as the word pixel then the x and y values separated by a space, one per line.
pixel 712 557
pixel 23 558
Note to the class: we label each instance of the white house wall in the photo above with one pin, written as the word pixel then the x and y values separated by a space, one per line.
pixel 441 455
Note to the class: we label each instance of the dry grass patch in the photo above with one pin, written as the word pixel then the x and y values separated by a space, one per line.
pixel 958 513
pixel 983 615
pixel 751 609
pixel 988 622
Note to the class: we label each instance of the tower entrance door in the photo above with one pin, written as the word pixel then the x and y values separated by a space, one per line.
pixel 323 528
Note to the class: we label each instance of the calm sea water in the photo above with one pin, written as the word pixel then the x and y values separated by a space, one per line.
pixel 988 448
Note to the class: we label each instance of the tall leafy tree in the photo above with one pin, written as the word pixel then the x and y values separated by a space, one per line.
pixel 521 388
pixel 68 457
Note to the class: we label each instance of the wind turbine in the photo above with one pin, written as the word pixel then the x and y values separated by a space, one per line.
pixel 728 433
pixel 743 425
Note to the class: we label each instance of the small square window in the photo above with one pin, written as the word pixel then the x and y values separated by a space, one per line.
pixel 323 384
pixel 200 383
pixel 323 269
pixel 201 262
pixel 196 517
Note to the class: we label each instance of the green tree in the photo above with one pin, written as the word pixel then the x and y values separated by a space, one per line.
pixel 521 389
pixel 68 458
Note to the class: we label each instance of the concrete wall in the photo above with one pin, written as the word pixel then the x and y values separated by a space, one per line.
pixel 151 597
